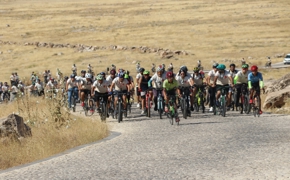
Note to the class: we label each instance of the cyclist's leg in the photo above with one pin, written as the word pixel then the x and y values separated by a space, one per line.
pixel 124 99
pixel 218 92
pixel 155 99
pixel 69 93
pixel 239 91
pixel 143 103
pixel 191 100
pixel 228 96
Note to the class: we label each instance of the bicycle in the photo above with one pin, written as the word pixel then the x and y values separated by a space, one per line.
pixel 234 99
pixel 148 102
pixel 112 106
pixel 244 99
pixel 73 101
pixel 160 103
pixel 184 102
pixel 130 101
pixel 199 99
pixel 256 104
pixel 223 101
pixel 89 105
pixel 171 114
pixel 121 110
pixel 104 109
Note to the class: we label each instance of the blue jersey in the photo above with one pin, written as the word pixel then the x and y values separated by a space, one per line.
pixel 255 79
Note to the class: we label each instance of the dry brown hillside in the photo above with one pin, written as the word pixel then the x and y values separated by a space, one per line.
pixel 207 30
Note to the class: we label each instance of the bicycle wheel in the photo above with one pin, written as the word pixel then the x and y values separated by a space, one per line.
pixel 104 112
pixel 73 103
pixel 202 103
pixel 223 106
pixel 247 106
pixel 184 108
pixel 148 107
pixel 258 105
pixel 120 112
pixel 129 105
pixel 160 108
pixel 196 105
pixel 86 107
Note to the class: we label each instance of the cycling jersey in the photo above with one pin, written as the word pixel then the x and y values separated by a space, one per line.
pixel 157 81
pixel 223 79
pixel 211 75
pixel 5 88
pixel 109 79
pixel 170 86
pixel 38 86
pixel 138 76
pixel 101 88
pixel 86 84
pixel 120 86
pixel 198 78
pixel 144 83
pixel 233 73
pixel 241 78
pixel 71 84
pixel 183 82
pixel 254 80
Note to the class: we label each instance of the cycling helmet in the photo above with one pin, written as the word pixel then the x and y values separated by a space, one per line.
pixel 254 68
pixel 102 73
pixel 146 72
pixel 121 75
pixel 215 65
pixel 71 76
pixel 83 71
pixel 113 72
pixel 141 70
pixel 196 69
pixel 159 68
pixel 88 75
pixel 183 68
pixel 99 77
pixel 66 78
pixel 221 67
pixel 121 70
pixel 245 66
pixel 232 65
pixel 169 74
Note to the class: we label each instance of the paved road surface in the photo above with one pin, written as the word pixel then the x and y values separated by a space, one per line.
pixel 202 147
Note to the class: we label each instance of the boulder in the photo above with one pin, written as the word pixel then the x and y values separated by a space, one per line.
pixel 278 92
pixel 14 126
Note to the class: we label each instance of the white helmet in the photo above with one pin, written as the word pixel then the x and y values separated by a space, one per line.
pixel 88 75
pixel 159 68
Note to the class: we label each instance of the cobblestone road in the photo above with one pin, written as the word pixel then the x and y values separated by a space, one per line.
pixel 202 147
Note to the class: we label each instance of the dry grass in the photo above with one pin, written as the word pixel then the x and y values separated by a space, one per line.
pixel 208 30
pixel 48 137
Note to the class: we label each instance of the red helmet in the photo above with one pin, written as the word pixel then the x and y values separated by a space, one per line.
pixel 254 68
pixel 169 74
pixel 113 72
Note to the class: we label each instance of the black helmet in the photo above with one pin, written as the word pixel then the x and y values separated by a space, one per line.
pixel 232 65
pixel 72 76
pixel 83 71
pixel 141 69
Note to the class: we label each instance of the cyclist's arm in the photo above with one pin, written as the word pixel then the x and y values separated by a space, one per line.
pixel 236 79
pixel 93 90
pixel 112 86
pixel 191 82
pixel 231 80
pixel 261 80
pixel 249 81
pixel 215 79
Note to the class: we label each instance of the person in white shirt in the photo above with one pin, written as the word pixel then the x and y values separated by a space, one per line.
pixel 85 87
pixel 121 85
pixel 100 89
pixel 72 88
pixel 211 89
pixel 138 93
pixel 241 81
pixel 197 83
pixel 183 78
pixel 14 91
pixel 223 79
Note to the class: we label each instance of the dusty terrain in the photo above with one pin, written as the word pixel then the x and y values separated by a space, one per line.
pixel 207 30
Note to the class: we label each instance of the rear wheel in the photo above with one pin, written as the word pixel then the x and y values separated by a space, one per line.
pixel 202 103
pixel 120 112
pixel 160 108
pixel 148 107
pixel 184 108
pixel 223 106
pixel 73 103
pixel 246 105
pixel 104 112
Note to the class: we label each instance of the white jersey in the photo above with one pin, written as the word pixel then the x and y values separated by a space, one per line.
pixel 183 82
pixel 71 84
pixel 198 78
pixel 223 79
pixel 241 77
pixel 5 88
pixel 233 74
pixel 138 76
pixel 109 79
pixel 51 85
pixel 211 75
pixel 101 88
pixel 120 86
pixel 39 86
pixel 157 81
pixel 14 89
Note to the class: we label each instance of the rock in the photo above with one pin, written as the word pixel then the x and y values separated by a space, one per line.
pixel 14 126
pixel 1 52
pixel 60 53
pixel 134 62
pixel 277 92
pixel 7 25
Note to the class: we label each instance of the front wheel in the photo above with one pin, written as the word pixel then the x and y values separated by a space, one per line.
pixel 160 108
pixel 184 108
pixel 120 112
pixel 223 104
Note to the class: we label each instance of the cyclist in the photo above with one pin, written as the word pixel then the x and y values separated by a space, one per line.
pixel 169 89
pixel 100 89
pixel 72 86
pixel 14 91
pixel 157 81
pixel 12 79
pixel 85 87
pixel 39 87
pixel 233 73
pixel 183 80
pixel 211 88
pixel 170 68
pixel 153 68
pixel 83 73
pixel 143 87
pixel 111 77
pixel 90 68
pixel 199 64
pixel 138 67
pixel 138 76
pixel 269 62
pixel 131 84
pixel 1 84
pixel 6 90
pixel 52 84
pixel 16 78
pixel 255 82
pixel 197 83
pixel 222 79
pixel 74 69
pixel 121 85
pixel 243 61
pixel 20 86
pixel 103 74
pixel 33 77
pixel 45 76
pixel 113 67
pixel 240 79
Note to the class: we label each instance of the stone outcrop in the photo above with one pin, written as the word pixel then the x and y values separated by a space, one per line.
pixel 162 53
pixel 278 92
pixel 14 126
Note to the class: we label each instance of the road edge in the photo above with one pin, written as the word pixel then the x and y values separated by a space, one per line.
pixel 113 134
